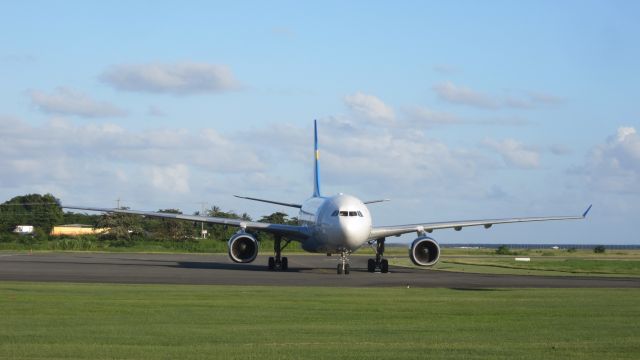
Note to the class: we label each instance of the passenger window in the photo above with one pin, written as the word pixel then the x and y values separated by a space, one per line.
pixel 360 214
pixel 335 213
pixel 353 213
pixel 344 213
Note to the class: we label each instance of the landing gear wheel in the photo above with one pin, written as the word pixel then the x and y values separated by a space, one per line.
pixel 371 265
pixel 272 263
pixel 343 264
pixel 384 266
pixel 285 264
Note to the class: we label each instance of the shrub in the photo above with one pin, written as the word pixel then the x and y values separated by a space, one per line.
pixel 503 250
pixel 599 249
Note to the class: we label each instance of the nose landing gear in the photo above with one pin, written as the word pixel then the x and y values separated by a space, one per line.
pixel 343 265
pixel 378 263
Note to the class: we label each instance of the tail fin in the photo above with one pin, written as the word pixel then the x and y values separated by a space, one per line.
pixel 316 168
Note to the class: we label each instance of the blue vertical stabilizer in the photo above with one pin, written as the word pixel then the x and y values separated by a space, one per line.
pixel 316 167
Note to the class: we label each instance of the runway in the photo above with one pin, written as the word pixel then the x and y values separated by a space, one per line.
pixel 217 269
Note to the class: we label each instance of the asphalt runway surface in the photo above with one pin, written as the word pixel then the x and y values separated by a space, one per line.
pixel 304 270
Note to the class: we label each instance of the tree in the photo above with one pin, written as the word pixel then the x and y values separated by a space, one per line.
pixel 121 226
pixel 222 232
pixel 503 250
pixel 176 229
pixel 41 211
pixel 275 218
pixel 600 249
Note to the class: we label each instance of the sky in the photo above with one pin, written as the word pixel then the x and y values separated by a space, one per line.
pixel 454 110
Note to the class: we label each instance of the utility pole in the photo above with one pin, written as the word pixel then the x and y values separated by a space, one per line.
pixel 118 203
pixel 202 204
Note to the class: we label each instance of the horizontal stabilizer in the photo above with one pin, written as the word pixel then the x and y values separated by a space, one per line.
pixel 376 201
pixel 270 202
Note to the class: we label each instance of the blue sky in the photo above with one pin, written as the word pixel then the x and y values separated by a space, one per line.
pixel 454 110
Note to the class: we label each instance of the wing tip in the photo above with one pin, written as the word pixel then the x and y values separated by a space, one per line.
pixel 584 215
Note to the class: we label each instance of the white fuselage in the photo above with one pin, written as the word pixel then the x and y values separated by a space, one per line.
pixel 338 223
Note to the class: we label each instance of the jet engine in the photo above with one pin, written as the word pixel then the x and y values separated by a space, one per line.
pixel 424 251
pixel 243 248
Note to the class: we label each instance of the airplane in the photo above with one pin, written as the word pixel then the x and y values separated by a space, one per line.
pixel 338 224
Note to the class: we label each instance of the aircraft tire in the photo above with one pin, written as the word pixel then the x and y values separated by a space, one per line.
pixel 339 269
pixel 384 266
pixel 346 269
pixel 272 263
pixel 371 265
pixel 285 264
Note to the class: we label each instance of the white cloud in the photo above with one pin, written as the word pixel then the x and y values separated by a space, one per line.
pixel 514 153
pixel 174 178
pixel 178 78
pixel 66 101
pixel 450 92
pixel 428 117
pixel 105 158
pixel 370 107
pixel 548 99
pixel 614 166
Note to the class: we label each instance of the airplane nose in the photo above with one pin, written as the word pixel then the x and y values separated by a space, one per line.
pixel 352 233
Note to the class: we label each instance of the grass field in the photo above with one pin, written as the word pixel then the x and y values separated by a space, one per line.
pixel 100 321
pixel 537 266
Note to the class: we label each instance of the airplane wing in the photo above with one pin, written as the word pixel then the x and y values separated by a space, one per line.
pixel 385 231
pixel 292 231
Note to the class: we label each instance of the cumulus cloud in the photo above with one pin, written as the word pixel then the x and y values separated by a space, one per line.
pixel 548 99
pixel 173 178
pixel 614 166
pixel 96 158
pixel 178 78
pixel 66 101
pixel 452 93
pixel 514 153
pixel 423 116
pixel 370 107
pixel 429 117
pixel 462 95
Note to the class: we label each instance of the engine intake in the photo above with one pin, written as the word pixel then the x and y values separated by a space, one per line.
pixel 243 248
pixel 424 251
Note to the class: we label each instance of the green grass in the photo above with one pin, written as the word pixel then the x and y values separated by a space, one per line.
pixel 571 266
pixel 100 321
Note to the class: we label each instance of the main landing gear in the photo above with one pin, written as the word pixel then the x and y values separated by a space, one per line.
pixel 279 262
pixel 343 265
pixel 378 263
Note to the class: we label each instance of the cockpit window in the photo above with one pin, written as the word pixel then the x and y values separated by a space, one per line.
pixel 360 214
pixel 344 213
pixel 347 213
pixel 335 213
pixel 353 213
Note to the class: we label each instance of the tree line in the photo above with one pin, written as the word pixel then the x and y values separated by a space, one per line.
pixel 44 212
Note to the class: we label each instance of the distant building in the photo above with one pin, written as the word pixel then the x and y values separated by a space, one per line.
pixel 23 229
pixel 76 229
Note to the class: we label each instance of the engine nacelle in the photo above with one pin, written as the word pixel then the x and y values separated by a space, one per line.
pixel 424 251
pixel 243 248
